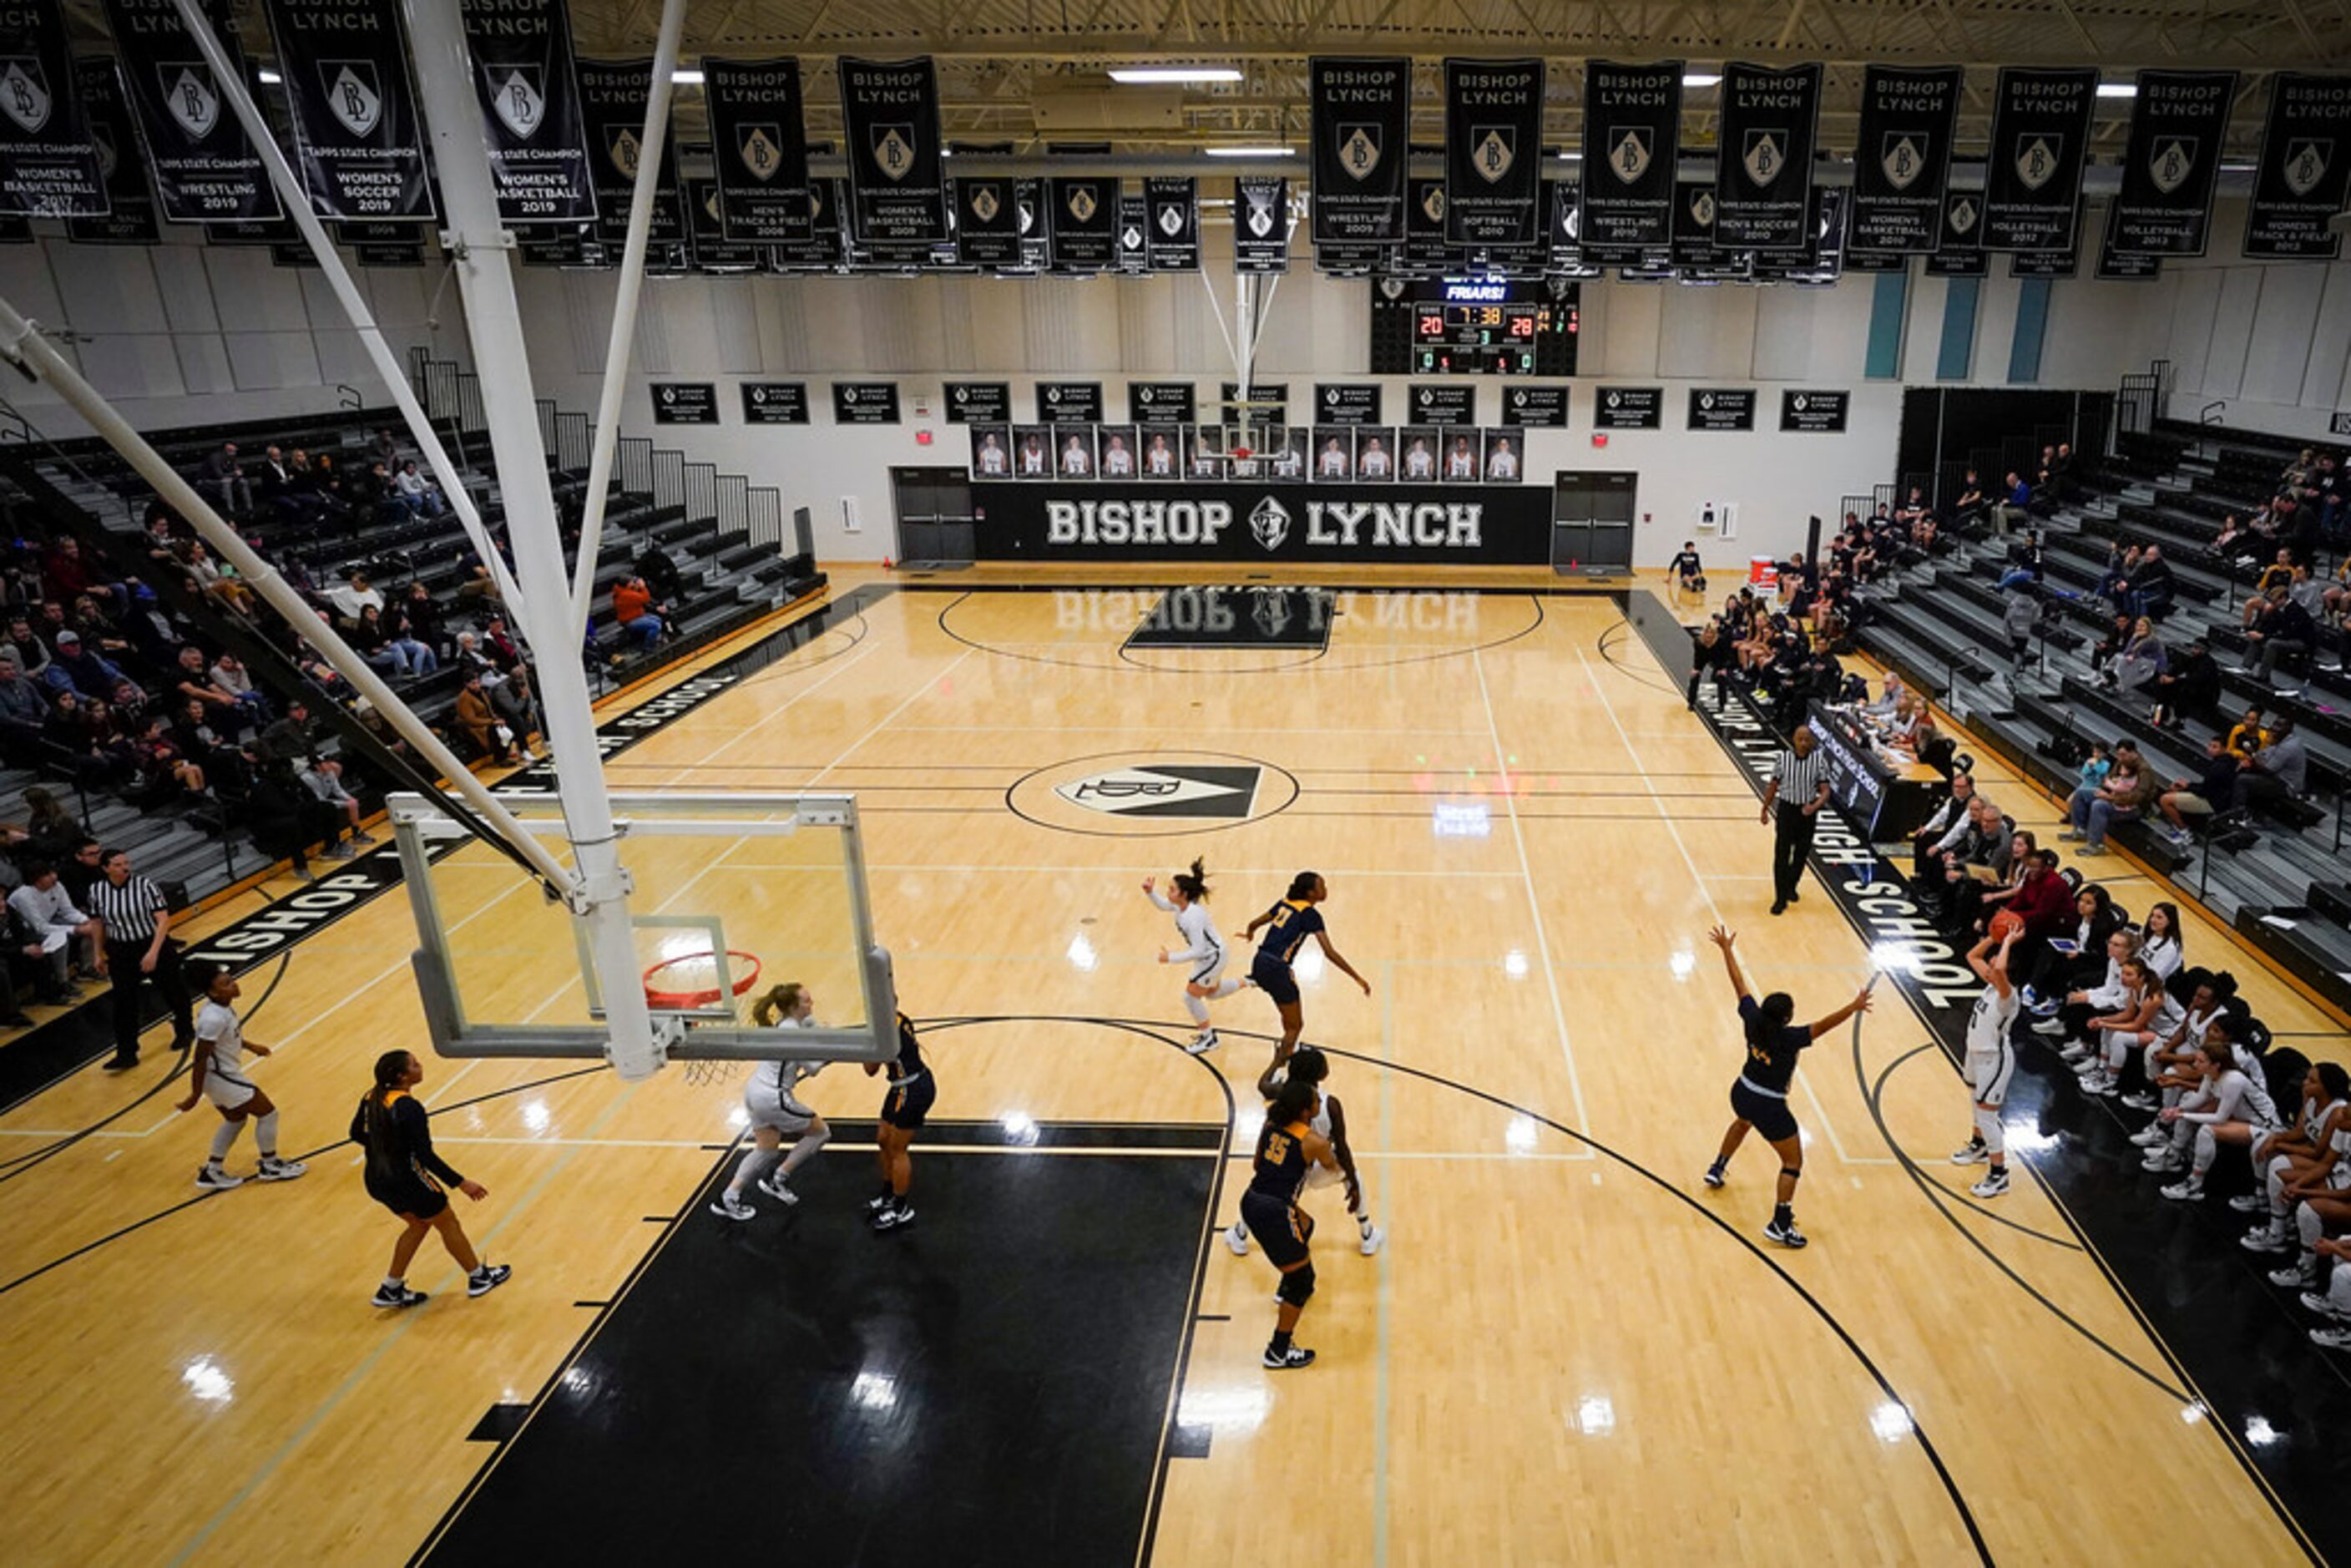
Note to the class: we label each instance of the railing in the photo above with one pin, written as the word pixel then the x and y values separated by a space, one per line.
pixel 2211 412
pixel 669 477
pixel 2137 404
pixel 546 407
pixel 733 509
pixel 573 441
pixel 766 522
pixel 702 491
pixel 347 396
pixel 636 464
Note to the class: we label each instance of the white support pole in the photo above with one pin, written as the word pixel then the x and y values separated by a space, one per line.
pixel 296 202
pixel 479 247
pixel 23 345
pixel 624 312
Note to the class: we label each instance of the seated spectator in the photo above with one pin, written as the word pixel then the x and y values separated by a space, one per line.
pixel 385 654
pixel 478 586
pixel 425 620
pixel 288 819
pixel 2127 793
pixel 400 633
pixel 83 867
pixel 229 674
pixel 2188 687
pixel 634 609
pixel 2270 588
pixel 2214 788
pixel 159 772
pixel 222 477
pixel 1947 818
pixel 2275 774
pixel 417 492
pixel 2113 582
pixel 324 781
pixel 500 645
pixel 69 574
pixel 385 448
pixel 75 942
pixel 517 710
pixel 2013 510
pixel 218 583
pixel 480 724
pixel 660 572
pixel 353 596
pixel 2285 631
pixel 2152 586
pixel 193 682
pixel 32 653
pixel 24 710
pixel 2234 541
pixel 78 670
pixel 2142 659
pixel 470 659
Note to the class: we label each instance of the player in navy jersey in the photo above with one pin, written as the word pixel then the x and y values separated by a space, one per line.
pixel 1759 1099
pixel 1288 1151
pixel 1286 926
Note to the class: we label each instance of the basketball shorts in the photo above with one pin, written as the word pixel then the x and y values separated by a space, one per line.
pixel 910 1103
pixel 1282 1228
pixel 1989 1072
pixel 1273 977
pixel 410 1195
pixel 227 1094
pixel 765 1112
pixel 1208 971
pixel 1768 1112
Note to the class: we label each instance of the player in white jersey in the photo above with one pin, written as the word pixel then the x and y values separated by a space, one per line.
pixel 1419 462
pixel 1117 462
pixel 1991 1057
pixel 1075 459
pixel 1331 1123
pixel 1372 461
pixel 1158 460
pixel 1034 465
pixel 2233 1106
pixel 1203 951
pixel 2291 1155
pixel 775 1110
pixel 2323 1196
pixel 1461 462
pixel 1334 463
pixel 216 1072
pixel 1502 463
pixel 991 454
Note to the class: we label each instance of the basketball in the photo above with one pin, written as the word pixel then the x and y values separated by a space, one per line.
pixel 2003 923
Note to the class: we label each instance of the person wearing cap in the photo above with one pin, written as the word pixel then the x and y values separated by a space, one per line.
pixel 78 668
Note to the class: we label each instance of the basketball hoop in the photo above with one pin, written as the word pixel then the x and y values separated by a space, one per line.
pixel 1242 454
pixel 688 982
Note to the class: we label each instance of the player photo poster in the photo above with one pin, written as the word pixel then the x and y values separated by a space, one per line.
pixel 1375 454
pixel 1418 446
pixel 1503 458
pixel 1115 451
pixel 1464 456
pixel 1073 451
pixel 1032 452
pixel 1333 452
pixel 991 451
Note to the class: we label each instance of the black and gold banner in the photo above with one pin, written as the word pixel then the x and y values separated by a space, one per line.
pixel 357 139
pixel 2300 182
pixel 204 169
pixel 758 147
pixel 2179 122
pixel 131 215
pixel 1261 224
pixel 1171 242
pixel 2040 139
pixel 1361 115
pixel 612 97
pixel 49 163
pixel 1902 157
pixel 1959 246
pixel 1081 218
pixel 1763 156
pixel 1493 151
pixel 524 75
pixel 987 223
pixel 897 184
pixel 1632 138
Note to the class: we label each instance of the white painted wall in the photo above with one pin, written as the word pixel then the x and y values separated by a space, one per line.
pixel 2270 341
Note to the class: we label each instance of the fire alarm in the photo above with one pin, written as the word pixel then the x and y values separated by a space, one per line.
pixel 922 438
pixel 1599 438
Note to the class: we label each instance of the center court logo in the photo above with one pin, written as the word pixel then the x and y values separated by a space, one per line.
pixel 1168 789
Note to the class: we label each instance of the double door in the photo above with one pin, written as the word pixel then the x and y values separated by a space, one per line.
pixel 936 522
pixel 1592 523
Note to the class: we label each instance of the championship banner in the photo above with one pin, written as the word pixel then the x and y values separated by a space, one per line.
pixel 713 251
pixel 204 169
pixel 1902 157
pixel 1036 234
pixel 1133 218
pixel 1082 217
pixel 1493 151
pixel 1425 248
pixel 987 223
pixel 758 147
pixel 1171 242
pixel 1632 138
pixel 357 139
pixel 2044 264
pixel 822 249
pixel 2040 139
pixel 130 213
pixel 523 73
pixel 1361 112
pixel 612 97
pixel 2178 121
pixel 2114 267
pixel 1261 224
pixel 1763 156
pixel 1959 246
pixel 385 244
pixel 897 186
pixel 1566 226
pixel 49 164
pixel 1698 230
pixel 2306 159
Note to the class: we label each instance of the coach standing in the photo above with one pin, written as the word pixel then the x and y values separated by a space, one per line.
pixel 139 947
pixel 1800 789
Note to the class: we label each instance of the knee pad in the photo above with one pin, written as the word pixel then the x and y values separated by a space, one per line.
pixel 1792 1173
pixel 2307 1225
pixel 1298 1286
pixel 1988 1128
pixel 2207 1146
pixel 816 1137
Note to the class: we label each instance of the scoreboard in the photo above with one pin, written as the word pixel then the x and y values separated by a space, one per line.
pixel 1476 327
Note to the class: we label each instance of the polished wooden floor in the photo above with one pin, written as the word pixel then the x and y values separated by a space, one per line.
pixel 1563 1356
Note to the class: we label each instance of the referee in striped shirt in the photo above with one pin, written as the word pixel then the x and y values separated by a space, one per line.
pixel 1800 789
pixel 139 948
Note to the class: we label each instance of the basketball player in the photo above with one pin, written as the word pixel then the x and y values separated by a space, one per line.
pixel 405 1175
pixel 2321 1197
pixel 1334 460
pixel 775 1110
pixel 912 1091
pixel 2288 1158
pixel 1288 1148
pixel 1759 1099
pixel 1032 458
pixel 1157 460
pixel 1118 462
pixel 1373 463
pixel 1502 463
pixel 1075 460
pixel 1992 1060
pixel 991 454
pixel 1288 460
pixel 1202 949
pixel 1461 462
pixel 216 1072
pixel 1419 462
pixel 1286 926
pixel 1330 1123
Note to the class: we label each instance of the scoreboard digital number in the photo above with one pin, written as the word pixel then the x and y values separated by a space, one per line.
pixel 1481 327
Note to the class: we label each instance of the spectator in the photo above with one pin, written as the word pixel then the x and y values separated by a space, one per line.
pixel 2014 511
pixel 2210 791
pixel 2188 688
pixel 2270 588
pixel 294 737
pixel 385 448
pixel 398 634
pixel 2234 541
pixel 324 781
pixel 73 941
pixel 384 654
pixel 24 711
pixel 2127 793
pixel 660 572
pixel 2275 774
pixel 424 619
pixel 1968 508
pixel 2023 561
pixel 76 669
pixel 191 682
pixel 354 596
pixel 2246 735
pixel 500 647
pixel 517 710
pixel 634 609
pixel 480 722
pixel 217 583
pixel 2020 617
pixel 417 492
pixel 479 586
pixel 32 654
pixel 81 869
pixel 288 819
pixel 224 477
pixel 2141 660
pixel 2152 586
pixel 229 674
pixel 2285 631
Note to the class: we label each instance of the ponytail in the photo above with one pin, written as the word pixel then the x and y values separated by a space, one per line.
pixel 1771 1015
pixel 777 1004
pixel 1303 885
pixel 1193 884
pixel 375 1125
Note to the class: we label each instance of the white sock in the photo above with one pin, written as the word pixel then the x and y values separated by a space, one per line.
pixel 1364 1223
pixel 1197 1008
pixel 222 1137
pixel 2275 1184
pixel 2207 1146
pixel 1226 987
pixel 2171 1093
pixel 796 1155
pixel 1990 1135
pixel 2310 1227
pixel 2339 1292
pixel 264 1134
pixel 395 1282
pixel 752 1165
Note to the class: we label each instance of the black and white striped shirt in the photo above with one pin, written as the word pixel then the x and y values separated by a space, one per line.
pixel 1800 778
pixel 128 910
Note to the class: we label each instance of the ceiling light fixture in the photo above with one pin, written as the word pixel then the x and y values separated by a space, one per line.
pixel 269 78
pixel 1701 78
pixel 1249 151
pixel 687 76
pixel 1139 75
pixel 2117 89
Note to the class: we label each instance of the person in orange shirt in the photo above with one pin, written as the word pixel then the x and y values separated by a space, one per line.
pixel 633 608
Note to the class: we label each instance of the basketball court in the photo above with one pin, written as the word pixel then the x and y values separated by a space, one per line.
pixel 1568 1350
